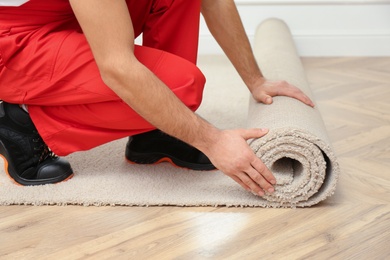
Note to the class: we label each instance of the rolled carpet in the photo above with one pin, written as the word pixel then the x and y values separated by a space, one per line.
pixel 297 148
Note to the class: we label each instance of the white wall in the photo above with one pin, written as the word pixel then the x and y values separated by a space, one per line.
pixel 319 28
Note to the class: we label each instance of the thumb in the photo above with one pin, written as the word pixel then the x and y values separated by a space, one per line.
pixel 267 100
pixel 264 98
pixel 253 133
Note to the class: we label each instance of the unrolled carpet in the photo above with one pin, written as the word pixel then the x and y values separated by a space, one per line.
pixel 296 149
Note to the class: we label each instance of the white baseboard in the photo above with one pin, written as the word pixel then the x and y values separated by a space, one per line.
pixel 321 46
pixel 319 28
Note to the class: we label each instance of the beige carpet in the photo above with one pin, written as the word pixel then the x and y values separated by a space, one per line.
pixel 297 149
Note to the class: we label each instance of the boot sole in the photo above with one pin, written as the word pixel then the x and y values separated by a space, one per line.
pixel 156 158
pixel 15 178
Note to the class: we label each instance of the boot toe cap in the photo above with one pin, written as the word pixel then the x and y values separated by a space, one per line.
pixel 54 170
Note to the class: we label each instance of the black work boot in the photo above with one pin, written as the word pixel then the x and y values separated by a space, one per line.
pixel 28 160
pixel 155 147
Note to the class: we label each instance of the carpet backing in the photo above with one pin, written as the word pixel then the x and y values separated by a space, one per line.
pixel 296 149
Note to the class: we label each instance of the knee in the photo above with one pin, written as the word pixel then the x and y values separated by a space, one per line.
pixel 194 86
pixel 199 82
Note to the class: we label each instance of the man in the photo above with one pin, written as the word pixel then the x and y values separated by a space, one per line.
pixel 74 67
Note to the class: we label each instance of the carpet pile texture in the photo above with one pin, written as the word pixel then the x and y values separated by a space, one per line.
pixel 296 149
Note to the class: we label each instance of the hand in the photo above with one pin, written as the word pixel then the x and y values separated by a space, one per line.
pixel 231 154
pixel 266 89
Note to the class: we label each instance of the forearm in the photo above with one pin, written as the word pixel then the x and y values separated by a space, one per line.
pixel 157 104
pixel 224 23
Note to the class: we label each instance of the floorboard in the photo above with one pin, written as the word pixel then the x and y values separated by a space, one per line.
pixel 353 95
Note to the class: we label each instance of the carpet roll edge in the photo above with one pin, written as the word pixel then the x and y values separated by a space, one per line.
pixel 330 171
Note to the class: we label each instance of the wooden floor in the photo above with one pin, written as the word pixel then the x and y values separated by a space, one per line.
pixel 353 95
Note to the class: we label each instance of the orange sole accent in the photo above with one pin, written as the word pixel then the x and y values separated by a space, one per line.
pixel 67 179
pixel 164 159
pixel 6 171
pixel 18 184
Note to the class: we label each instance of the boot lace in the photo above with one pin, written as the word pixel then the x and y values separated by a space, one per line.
pixel 41 150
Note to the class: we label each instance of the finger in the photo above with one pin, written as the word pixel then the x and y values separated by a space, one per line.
pixel 261 168
pixel 253 133
pixel 241 183
pixel 266 99
pixel 253 186
pixel 303 98
pixel 260 180
pixel 294 92
pixel 309 101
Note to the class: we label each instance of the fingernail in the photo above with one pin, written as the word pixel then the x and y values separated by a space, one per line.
pixel 261 193
pixel 273 182
pixel 268 100
pixel 271 190
pixel 263 129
